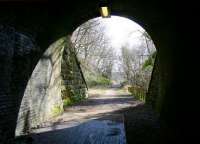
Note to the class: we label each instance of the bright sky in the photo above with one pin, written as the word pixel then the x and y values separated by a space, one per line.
pixel 122 31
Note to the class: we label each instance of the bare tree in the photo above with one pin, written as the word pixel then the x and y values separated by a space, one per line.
pixel 133 60
pixel 93 48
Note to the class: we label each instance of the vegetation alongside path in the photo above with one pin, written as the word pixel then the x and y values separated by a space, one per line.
pixel 141 124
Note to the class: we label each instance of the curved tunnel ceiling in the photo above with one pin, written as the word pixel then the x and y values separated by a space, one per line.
pixel 53 20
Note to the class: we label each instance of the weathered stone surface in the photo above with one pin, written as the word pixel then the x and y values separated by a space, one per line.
pixel 47 86
pixel 50 21
pixel 42 93
pixel 73 83
pixel 16 62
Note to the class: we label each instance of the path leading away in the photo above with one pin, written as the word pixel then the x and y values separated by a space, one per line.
pixel 99 103
pixel 92 121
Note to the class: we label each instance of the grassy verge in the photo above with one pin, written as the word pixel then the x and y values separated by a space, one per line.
pixel 138 92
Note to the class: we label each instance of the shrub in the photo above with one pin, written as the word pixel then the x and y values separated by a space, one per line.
pixel 67 102
pixel 97 80
pixel 57 110
pixel 75 97
pixel 138 92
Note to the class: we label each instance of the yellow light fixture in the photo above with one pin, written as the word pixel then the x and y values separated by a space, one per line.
pixel 104 7
pixel 104 12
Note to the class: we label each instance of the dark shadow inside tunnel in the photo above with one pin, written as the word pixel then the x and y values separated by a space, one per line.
pixel 144 131
pixel 47 75
pixel 89 58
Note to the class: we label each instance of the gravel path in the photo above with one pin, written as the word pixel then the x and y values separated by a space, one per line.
pixel 99 103
pixel 141 124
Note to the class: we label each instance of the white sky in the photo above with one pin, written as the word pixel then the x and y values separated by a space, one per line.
pixel 122 31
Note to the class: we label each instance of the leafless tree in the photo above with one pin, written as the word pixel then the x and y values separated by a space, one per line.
pixel 93 48
pixel 133 60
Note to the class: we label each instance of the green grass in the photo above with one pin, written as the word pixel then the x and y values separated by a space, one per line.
pixel 57 110
pixel 67 102
pixel 137 92
pixel 73 99
pixel 97 80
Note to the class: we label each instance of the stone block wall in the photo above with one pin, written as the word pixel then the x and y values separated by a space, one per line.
pixel 17 56
pixel 42 97
pixel 73 83
pixel 56 71
pixel 6 54
pixel 31 84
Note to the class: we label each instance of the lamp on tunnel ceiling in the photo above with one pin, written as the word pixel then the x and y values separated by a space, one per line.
pixel 104 9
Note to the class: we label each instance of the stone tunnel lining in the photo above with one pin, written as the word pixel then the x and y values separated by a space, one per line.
pixel 44 92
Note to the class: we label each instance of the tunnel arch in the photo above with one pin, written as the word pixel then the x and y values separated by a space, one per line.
pixel 151 15
pixel 49 53
pixel 44 92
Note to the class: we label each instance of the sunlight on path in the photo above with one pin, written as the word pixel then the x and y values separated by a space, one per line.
pixel 100 119
pixel 95 120
pixel 99 103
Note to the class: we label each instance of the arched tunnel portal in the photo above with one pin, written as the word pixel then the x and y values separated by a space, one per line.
pixel 45 22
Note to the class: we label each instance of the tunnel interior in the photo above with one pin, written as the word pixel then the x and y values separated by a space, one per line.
pixel 29 28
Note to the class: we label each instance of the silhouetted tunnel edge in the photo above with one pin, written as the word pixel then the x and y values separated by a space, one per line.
pixel 161 33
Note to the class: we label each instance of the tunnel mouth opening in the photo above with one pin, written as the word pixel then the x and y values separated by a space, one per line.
pixel 110 91
pixel 116 57
pixel 50 25
pixel 115 52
